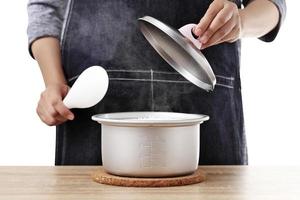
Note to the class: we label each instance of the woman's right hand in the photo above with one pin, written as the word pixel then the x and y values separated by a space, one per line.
pixel 51 108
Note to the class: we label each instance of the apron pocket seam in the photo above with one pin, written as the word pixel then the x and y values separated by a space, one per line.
pixel 158 76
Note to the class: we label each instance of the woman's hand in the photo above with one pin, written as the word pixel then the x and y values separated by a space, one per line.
pixel 51 109
pixel 221 23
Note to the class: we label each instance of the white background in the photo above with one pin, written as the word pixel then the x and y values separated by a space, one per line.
pixel 270 82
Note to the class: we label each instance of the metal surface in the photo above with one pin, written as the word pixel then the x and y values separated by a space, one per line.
pixel 150 144
pixel 150 151
pixel 179 52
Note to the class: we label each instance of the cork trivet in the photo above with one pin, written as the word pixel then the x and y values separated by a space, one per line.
pixel 101 176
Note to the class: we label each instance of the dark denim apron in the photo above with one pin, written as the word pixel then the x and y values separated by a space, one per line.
pixel 105 33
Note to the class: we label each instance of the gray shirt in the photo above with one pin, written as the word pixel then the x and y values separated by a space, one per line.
pixel 45 18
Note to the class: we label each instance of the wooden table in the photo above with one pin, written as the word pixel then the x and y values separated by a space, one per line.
pixel 223 182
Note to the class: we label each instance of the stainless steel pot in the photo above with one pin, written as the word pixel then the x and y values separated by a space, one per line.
pixel 150 144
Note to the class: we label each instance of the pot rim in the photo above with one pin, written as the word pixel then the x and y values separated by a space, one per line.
pixel 147 119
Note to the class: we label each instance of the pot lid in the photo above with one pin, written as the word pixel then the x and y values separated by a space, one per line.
pixel 181 54
pixel 149 119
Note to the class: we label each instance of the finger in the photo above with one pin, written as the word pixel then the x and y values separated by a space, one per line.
pixel 51 111
pixel 232 36
pixel 63 110
pixel 220 34
pixel 210 14
pixel 40 113
pixel 222 18
pixel 45 117
pixel 65 91
pixel 60 118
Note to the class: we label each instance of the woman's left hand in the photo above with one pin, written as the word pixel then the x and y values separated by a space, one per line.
pixel 221 23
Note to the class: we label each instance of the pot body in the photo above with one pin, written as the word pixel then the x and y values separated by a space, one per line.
pixel 150 151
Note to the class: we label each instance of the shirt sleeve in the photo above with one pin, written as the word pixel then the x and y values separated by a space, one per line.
pixel 45 18
pixel 281 6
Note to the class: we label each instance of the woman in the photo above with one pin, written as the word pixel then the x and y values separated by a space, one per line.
pixel 65 37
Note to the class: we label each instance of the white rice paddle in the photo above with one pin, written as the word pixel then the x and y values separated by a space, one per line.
pixel 89 88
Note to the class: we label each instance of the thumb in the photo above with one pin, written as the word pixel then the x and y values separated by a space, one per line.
pixel 64 90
